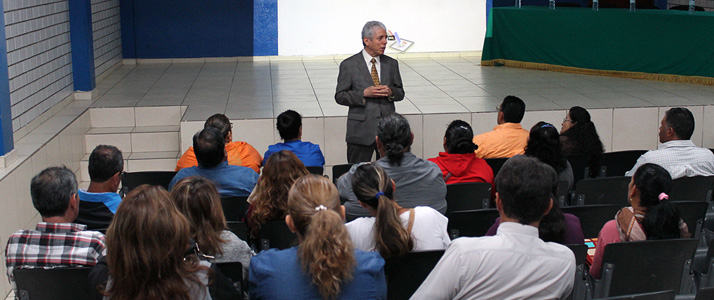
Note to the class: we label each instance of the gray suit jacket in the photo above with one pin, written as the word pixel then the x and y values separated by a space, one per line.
pixel 364 112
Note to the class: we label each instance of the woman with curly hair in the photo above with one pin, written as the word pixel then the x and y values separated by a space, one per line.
pixel 269 201
pixel 146 251
pixel 198 200
pixel 579 136
pixel 325 264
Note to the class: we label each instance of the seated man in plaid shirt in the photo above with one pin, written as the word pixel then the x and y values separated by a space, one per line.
pixel 56 241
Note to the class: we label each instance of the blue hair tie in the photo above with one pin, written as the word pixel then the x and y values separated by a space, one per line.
pixel 379 194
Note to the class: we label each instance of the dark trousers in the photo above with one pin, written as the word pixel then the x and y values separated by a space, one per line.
pixel 361 153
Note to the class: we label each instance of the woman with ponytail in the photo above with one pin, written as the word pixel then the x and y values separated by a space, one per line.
pixel 458 163
pixel 325 264
pixel 579 136
pixel 651 217
pixel 393 230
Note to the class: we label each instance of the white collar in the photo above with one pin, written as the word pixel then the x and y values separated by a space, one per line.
pixel 368 58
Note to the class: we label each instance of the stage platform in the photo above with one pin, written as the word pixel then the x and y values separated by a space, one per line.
pixel 439 88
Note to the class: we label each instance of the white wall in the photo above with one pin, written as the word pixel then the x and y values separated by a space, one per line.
pixel 323 27
pixel 106 33
pixel 39 57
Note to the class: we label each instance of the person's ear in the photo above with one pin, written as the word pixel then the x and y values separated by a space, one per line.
pixel 499 204
pixel 445 149
pixel 342 212
pixel 635 191
pixel 290 223
pixel 364 205
pixel 550 206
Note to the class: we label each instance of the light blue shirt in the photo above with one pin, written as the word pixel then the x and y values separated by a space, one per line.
pixel 231 181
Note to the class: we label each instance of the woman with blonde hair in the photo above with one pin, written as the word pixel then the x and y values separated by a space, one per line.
pixel 198 200
pixel 325 264
pixel 392 230
pixel 146 251
pixel 269 200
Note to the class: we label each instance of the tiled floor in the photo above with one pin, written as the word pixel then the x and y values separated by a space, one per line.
pixel 263 89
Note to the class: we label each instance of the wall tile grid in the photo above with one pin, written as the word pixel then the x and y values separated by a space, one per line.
pixel 39 61
pixel 106 29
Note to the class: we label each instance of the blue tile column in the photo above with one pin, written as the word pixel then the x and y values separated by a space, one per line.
pixel 80 32
pixel 265 27
pixel 6 141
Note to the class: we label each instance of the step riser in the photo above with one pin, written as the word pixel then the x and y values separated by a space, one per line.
pixel 135 142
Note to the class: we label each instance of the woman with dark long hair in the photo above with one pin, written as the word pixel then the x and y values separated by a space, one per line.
pixel 269 200
pixel 392 230
pixel 146 251
pixel 651 215
pixel 325 264
pixel 555 226
pixel 579 136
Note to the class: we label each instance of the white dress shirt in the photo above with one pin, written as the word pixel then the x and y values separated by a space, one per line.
pixel 513 264
pixel 428 231
pixel 680 157
pixel 368 60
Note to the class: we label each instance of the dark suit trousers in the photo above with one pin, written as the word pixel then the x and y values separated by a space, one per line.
pixel 360 153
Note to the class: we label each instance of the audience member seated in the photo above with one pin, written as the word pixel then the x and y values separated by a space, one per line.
pixel 99 202
pixel 650 217
pixel 393 230
pixel 237 153
pixel 555 226
pixel 419 182
pixel 508 138
pixel 147 255
pixel 515 263
pixel 544 144
pixel 290 129
pixel 579 136
pixel 198 200
pixel 458 163
pixel 269 200
pixel 56 241
pixel 324 265
pixel 230 180
pixel 677 153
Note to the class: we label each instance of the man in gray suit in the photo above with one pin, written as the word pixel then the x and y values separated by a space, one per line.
pixel 369 83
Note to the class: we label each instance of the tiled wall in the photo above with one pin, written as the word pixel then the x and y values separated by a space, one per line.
pixel 39 59
pixel 57 141
pixel 106 29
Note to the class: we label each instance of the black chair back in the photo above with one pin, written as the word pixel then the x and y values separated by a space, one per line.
pixel 663 295
pixel 705 294
pixel 579 163
pixel 130 180
pixel 240 229
pixel 592 217
pixel 338 170
pixel 580 286
pixel 619 162
pixel 406 273
pixel 276 234
pixel 645 266
pixel 315 170
pixel 692 213
pixel 606 190
pixel 496 164
pixel 696 188
pixel 471 222
pixel 467 196
pixel 234 208
pixel 234 272
pixel 53 284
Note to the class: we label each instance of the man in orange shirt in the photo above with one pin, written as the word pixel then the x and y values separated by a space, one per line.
pixel 238 153
pixel 508 138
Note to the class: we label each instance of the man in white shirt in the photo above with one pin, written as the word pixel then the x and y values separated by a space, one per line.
pixel 677 153
pixel 515 263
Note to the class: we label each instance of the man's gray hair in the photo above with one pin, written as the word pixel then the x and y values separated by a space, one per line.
pixel 368 29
